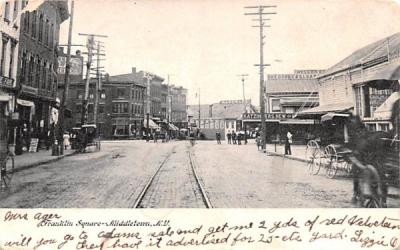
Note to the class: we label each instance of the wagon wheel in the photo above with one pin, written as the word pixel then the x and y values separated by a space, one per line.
pixel 331 161
pixel 313 157
pixel 7 170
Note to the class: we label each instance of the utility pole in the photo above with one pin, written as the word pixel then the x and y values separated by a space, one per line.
pixel 261 25
pixel 244 106
pixel 63 101
pixel 98 83
pixel 90 47
pixel 199 111
pixel 148 98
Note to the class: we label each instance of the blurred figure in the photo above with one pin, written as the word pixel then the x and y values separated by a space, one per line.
pixel 218 137
pixel 288 141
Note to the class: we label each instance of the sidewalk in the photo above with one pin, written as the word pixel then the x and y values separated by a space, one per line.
pixel 298 151
pixel 29 160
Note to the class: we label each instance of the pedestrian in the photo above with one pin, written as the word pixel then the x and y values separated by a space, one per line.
pixel 239 138
pixel 234 137
pixel 218 136
pixel 66 140
pixel 155 137
pixel 288 141
pixel 229 136
pixel 258 142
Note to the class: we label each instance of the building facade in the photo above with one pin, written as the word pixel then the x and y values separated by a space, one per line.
pixel 177 107
pixel 362 83
pixel 286 95
pixel 37 70
pixel 120 111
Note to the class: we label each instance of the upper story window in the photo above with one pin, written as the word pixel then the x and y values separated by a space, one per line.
pixel 15 12
pixel 276 105
pixel 41 25
pixel 7 11
pixel 120 93
pixel 121 107
pixel 34 24
pixel 103 94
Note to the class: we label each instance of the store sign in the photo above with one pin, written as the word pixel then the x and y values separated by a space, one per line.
pixel 268 116
pixel 76 65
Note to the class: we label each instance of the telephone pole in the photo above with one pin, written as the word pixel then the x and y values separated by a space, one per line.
pixel 243 76
pixel 90 46
pixel 63 100
pixel 148 98
pixel 261 25
pixel 98 82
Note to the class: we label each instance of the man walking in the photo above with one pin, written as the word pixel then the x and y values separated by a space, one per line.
pixel 218 136
pixel 234 137
pixel 229 136
pixel 288 141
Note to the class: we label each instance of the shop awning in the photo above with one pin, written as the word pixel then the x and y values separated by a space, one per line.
pixel 383 77
pixel 172 127
pixel 25 103
pixel 323 109
pixel 384 111
pixel 330 116
pixel 4 97
pixel 152 124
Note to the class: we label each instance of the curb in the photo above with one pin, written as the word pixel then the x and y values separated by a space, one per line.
pixel 288 157
pixel 57 158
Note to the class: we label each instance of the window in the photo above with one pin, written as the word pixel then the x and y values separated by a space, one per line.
pixel 38 71
pixel 26 22
pixel 51 35
pixel 90 108
pixel 50 77
pixel 120 93
pixel 384 127
pixel 78 108
pixel 3 56
pixel 46 32
pixel 103 94
pixel 31 71
pixel 121 107
pixel 15 10
pixel 367 107
pixel 34 24
pixel 101 109
pixel 12 54
pixel 41 24
pixel 7 12
pixel 276 105
pixel 91 96
pixel 23 68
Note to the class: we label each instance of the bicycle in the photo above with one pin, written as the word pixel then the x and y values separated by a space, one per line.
pixel 7 165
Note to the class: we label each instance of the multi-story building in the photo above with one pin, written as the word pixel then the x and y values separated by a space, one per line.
pixel 362 82
pixel 10 13
pixel 177 107
pixel 37 68
pixel 120 106
pixel 286 95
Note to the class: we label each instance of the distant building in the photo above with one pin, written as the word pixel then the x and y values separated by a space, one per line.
pixel 286 95
pixel 76 69
pixel 120 108
pixel 219 117
pixel 178 113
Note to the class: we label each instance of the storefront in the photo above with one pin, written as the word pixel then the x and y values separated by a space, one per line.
pixel 278 124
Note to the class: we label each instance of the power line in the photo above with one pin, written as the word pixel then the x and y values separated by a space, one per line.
pixel 261 25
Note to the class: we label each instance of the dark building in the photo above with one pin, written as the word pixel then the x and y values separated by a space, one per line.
pixel 76 69
pixel 37 68
pixel 120 107
pixel 178 114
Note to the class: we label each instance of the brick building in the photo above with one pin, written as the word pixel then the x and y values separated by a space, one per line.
pixel 37 67
pixel 120 107
pixel 177 112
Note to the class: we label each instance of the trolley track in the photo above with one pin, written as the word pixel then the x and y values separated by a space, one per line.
pixel 139 203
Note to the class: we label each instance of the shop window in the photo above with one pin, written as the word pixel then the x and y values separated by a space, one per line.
pixel 384 127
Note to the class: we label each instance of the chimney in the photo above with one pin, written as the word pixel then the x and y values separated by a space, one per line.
pixel 133 70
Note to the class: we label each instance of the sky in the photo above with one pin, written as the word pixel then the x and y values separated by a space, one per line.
pixel 206 44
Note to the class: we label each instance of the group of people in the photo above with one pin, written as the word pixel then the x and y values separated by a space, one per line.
pixel 288 142
pixel 236 138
